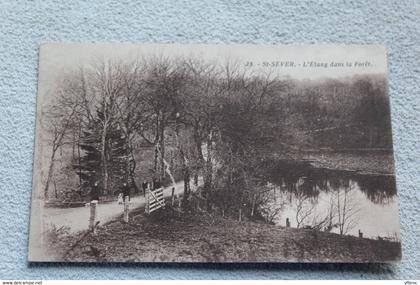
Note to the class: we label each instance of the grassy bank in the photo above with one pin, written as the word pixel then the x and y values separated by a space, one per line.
pixel 184 237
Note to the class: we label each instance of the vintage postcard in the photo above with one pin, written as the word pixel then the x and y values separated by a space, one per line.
pixel 213 153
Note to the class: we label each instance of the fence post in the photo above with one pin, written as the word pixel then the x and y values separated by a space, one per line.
pixel 173 196
pixel 147 200
pixel 126 204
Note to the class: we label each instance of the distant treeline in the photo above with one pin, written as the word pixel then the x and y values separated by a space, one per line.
pixel 109 119
pixel 339 113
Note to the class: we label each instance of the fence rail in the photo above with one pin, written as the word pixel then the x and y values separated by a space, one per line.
pixel 154 200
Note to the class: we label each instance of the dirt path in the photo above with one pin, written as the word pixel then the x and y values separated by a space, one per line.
pixel 77 219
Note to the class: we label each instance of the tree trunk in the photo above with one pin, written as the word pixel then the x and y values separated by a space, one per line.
pixel 55 189
pixel 186 184
pixel 173 197
pixel 133 182
pixel 79 157
pixel 195 179
pixel 253 204
pixel 126 206
pixel 74 146
pixel 208 175
pixel 131 168
pixel 50 172
pixel 162 154
pixel 159 166
pixel 104 162
pixel 155 161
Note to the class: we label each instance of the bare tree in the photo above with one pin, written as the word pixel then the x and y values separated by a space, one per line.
pixel 200 104
pixel 60 118
pixel 325 220
pixel 268 203
pixel 162 84
pixel 131 110
pixel 107 84
pixel 305 207
pixel 64 116
pixel 347 209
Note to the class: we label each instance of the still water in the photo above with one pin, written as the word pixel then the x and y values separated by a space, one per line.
pixel 353 202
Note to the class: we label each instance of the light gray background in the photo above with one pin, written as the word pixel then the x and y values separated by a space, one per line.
pixel 26 24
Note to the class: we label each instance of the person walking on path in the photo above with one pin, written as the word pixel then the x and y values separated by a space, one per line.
pixel 156 184
pixel 94 192
pixel 120 198
pixel 145 185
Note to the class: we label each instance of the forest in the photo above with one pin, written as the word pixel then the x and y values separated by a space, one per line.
pixel 185 119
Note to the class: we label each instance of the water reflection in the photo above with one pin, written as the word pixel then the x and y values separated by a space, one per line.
pixel 297 176
pixel 309 195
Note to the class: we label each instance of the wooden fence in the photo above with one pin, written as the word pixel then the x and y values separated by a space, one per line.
pixel 154 200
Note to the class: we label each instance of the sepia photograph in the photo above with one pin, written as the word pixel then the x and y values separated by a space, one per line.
pixel 213 153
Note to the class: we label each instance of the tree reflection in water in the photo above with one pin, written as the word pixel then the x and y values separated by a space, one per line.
pixel 299 176
pixel 330 200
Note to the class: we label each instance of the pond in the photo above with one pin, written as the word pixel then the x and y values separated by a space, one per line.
pixel 338 201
